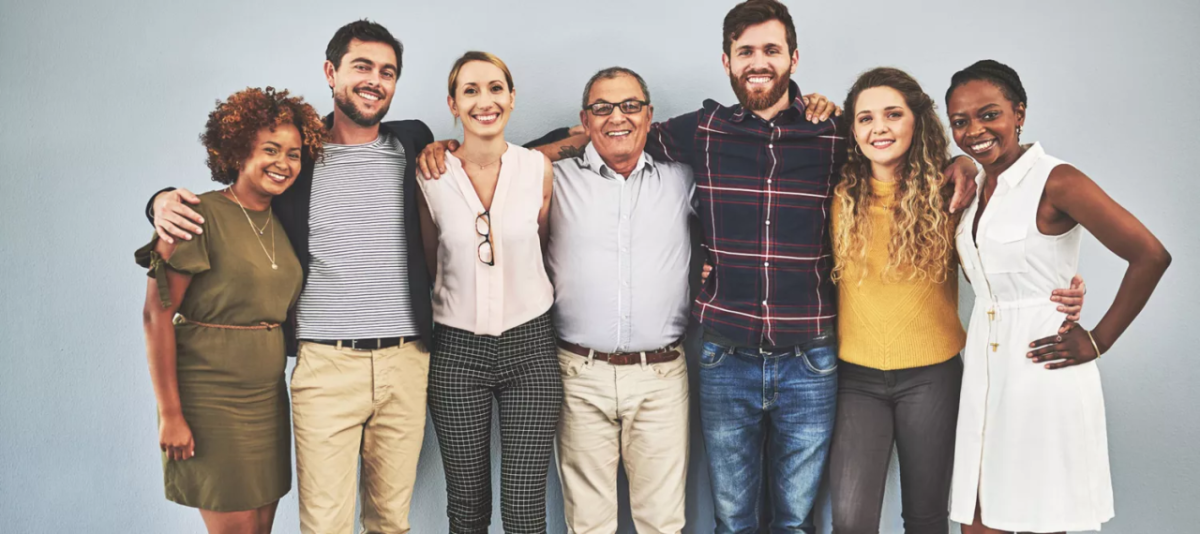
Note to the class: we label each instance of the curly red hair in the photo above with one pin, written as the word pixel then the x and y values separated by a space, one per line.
pixel 232 127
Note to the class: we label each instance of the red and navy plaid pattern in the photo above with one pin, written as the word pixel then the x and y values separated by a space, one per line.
pixel 764 189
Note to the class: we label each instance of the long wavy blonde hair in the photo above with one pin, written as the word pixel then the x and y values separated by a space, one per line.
pixel 921 245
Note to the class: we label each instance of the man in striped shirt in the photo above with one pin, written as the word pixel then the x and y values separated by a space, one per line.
pixel 358 390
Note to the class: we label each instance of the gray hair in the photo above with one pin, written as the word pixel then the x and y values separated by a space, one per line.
pixel 610 73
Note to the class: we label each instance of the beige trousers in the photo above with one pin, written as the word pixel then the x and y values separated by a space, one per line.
pixel 635 412
pixel 346 402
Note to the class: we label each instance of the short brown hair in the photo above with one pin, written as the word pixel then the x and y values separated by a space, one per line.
pixel 367 32
pixel 475 55
pixel 229 135
pixel 752 12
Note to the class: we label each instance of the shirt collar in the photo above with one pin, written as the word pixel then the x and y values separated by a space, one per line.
pixel 592 160
pixel 740 112
pixel 1017 171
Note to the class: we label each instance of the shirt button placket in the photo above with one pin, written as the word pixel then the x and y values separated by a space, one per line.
pixel 624 331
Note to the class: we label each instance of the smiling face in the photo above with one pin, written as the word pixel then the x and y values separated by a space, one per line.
pixel 274 161
pixel 760 66
pixel 482 99
pixel 618 136
pixel 364 82
pixel 883 126
pixel 984 122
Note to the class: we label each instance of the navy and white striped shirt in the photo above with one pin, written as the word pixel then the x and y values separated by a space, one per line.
pixel 357 284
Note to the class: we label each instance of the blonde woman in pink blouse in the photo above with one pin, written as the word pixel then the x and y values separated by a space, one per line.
pixel 484 224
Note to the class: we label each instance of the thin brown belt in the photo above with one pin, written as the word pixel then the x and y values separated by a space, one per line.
pixel 660 355
pixel 180 319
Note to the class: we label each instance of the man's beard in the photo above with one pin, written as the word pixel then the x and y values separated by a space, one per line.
pixel 758 101
pixel 342 101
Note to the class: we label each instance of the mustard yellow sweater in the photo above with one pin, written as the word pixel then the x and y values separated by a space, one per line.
pixel 894 324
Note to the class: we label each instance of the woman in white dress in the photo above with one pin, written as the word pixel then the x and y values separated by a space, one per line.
pixel 1031 451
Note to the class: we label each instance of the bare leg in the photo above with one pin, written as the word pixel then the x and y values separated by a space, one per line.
pixel 266 517
pixel 976 527
pixel 257 521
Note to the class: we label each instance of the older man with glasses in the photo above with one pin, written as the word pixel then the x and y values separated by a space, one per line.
pixel 619 256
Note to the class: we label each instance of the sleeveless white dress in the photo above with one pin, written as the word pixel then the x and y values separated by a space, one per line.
pixel 1031 442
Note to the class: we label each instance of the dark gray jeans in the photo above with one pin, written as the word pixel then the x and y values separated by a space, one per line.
pixel 917 409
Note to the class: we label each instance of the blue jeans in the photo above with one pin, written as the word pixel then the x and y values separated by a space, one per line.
pixel 783 402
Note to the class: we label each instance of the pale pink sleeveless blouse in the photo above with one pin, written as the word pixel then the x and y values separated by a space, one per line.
pixel 468 293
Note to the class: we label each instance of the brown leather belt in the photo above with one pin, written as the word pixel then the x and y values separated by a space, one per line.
pixel 659 355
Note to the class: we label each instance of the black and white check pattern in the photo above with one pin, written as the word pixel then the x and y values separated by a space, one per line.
pixel 520 369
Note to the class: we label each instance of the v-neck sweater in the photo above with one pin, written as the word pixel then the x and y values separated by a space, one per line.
pixel 468 293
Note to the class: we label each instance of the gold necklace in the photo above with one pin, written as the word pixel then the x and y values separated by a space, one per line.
pixel 257 232
pixel 481 167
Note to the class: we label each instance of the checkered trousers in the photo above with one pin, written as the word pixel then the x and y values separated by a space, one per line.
pixel 520 369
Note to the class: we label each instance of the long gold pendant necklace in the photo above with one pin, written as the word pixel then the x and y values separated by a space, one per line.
pixel 259 231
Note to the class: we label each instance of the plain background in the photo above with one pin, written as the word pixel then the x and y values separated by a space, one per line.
pixel 102 103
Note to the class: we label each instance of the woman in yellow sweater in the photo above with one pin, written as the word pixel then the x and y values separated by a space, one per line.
pixel 898 324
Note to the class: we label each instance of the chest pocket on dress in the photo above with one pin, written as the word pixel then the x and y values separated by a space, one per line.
pixel 1004 249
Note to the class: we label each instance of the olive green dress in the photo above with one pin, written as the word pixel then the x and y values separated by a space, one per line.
pixel 231 382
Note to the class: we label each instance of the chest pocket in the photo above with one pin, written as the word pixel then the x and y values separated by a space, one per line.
pixel 1004 249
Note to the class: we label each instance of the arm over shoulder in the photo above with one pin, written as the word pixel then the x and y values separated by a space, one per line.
pixel 673 139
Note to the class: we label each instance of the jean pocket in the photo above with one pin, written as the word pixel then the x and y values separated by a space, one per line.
pixel 570 365
pixel 711 355
pixel 821 360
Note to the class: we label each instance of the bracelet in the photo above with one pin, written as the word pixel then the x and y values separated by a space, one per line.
pixel 1094 345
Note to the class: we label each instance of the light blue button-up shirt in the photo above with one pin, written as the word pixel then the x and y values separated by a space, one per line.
pixel 619 252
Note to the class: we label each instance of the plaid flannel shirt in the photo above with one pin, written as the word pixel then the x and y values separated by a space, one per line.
pixel 764 188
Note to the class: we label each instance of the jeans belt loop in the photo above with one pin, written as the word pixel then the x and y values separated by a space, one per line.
pixel 798 351
pixel 643 354
pixel 339 345
pixel 591 357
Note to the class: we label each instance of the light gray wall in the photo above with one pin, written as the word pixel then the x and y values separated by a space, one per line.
pixel 102 103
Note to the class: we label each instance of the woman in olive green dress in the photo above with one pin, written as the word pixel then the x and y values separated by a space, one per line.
pixel 213 308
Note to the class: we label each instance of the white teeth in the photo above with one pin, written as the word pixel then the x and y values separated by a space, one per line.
pixel 276 176
pixel 881 144
pixel 368 96
pixel 759 79
pixel 980 147
pixel 486 118
pixel 622 133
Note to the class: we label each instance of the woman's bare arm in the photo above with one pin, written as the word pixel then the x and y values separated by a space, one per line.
pixel 544 213
pixel 175 437
pixel 429 234
pixel 1071 197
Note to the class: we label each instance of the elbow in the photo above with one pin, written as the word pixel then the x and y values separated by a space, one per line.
pixel 1157 259
pixel 153 314
pixel 1161 258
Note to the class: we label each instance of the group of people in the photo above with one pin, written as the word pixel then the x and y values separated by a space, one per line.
pixel 409 274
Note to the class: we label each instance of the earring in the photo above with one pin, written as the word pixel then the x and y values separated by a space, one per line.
pixel 1019 129
pixel 858 150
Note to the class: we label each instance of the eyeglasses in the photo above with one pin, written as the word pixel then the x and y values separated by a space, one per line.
pixel 483 227
pixel 628 107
